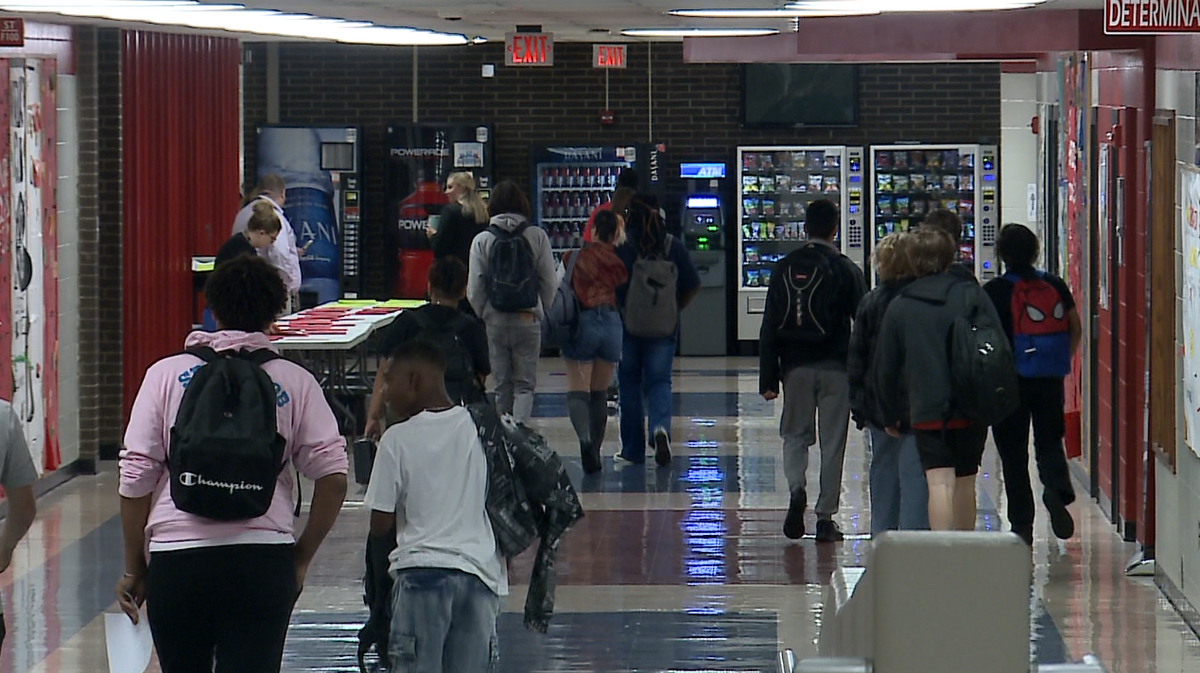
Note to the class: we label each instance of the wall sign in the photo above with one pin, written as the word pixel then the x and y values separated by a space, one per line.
pixel 609 56
pixel 529 49
pixel 12 32
pixel 1151 16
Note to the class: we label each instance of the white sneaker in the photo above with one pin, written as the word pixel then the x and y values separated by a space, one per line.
pixel 621 462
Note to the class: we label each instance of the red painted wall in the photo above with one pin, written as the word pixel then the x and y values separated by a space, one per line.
pixel 180 175
pixel 1126 84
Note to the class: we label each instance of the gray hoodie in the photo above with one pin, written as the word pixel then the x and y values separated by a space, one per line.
pixel 543 259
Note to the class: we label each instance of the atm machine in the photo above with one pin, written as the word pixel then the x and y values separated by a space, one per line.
pixel 703 323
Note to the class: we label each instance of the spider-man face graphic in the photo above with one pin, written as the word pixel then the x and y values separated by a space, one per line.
pixel 1040 310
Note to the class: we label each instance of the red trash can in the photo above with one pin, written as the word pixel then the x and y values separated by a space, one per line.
pixel 412 278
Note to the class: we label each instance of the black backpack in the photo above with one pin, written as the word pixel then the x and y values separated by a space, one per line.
pixel 512 283
pixel 226 453
pixel 814 291
pixel 462 383
pixel 983 373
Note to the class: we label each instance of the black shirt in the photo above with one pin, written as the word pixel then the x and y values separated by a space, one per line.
pixel 235 247
pixel 406 328
pixel 1000 290
pixel 455 234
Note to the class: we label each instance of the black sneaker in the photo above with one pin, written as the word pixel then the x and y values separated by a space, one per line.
pixel 662 448
pixel 1060 519
pixel 793 523
pixel 828 531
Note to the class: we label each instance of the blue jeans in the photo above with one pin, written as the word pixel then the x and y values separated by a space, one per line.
pixel 899 494
pixel 599 336
pixel 443 621
pixel 645 370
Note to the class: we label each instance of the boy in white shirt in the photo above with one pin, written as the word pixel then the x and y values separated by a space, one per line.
pixel 430 482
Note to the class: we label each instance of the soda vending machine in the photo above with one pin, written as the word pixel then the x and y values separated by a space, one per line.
pixel 321 167
pixel 572 181
pixel 419 159
pixel 912 180
pixel 774 187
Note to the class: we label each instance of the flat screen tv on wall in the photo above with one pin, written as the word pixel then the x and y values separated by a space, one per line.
pixel 778 95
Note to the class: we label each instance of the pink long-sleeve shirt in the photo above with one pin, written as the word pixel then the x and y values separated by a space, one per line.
pixel 314 446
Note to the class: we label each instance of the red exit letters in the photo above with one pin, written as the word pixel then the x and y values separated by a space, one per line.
pixel 529 49
pixel 609 56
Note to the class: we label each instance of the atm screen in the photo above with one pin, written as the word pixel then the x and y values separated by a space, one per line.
pixel 703 202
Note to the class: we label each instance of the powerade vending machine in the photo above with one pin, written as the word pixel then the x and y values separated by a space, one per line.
pixel 775 187
pixel 321 167
pixel 703 322
pixel 419 159
pixel 912 180
pixel 571 181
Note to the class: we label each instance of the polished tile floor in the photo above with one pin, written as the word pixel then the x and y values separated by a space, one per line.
pixel 674 569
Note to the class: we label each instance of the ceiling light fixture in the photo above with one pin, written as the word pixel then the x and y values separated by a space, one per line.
pixel 768 13
pixel 850 7
pixel 237 19
pixel 699 32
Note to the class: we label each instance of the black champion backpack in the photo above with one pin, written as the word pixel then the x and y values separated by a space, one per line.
pixel 814 291
pixel 226 452
pixel 512 282
pixel 462 383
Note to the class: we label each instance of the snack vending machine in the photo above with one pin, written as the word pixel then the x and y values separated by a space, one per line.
pixel 571 181
pixel 775 186
pixel 912 180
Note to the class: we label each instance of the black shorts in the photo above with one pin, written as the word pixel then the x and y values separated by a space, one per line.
pixel 960 448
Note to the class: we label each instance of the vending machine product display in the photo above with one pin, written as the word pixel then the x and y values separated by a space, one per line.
pixel 774 188
pixel 910 181
pixel 570 182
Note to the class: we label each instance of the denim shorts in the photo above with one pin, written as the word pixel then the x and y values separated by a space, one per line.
pixel 598 337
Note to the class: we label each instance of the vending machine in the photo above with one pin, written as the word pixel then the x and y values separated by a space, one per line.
pixel 911 180
pixel 419 159
pixel 321 168
pixel 775 186
pixel 703 323
pixel 572 181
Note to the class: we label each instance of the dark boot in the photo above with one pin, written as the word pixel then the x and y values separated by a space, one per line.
pixel 579 409
pixel 598 415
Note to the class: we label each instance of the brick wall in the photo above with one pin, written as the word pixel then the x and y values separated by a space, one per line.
pixel 100 417
pixel 696 108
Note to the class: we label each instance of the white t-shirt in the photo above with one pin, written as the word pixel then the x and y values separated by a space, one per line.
pixel 431 471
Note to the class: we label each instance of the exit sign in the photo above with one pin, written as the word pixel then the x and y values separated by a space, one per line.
pixel 529 49
pixel 12 32
pixel 609 56
pixel 1151 16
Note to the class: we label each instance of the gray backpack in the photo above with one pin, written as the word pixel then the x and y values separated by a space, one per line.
pixel 652 305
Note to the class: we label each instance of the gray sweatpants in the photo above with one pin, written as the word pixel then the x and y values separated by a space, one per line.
pixel 514 349
pixel 816 398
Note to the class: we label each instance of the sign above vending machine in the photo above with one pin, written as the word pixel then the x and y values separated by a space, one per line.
pixel 529 49
pixel 1149 17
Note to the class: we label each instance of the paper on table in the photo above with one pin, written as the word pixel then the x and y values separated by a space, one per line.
pixel 129 646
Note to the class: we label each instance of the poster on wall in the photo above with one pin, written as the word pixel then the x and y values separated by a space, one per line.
pixel 29 309
pixel 1189 226
pixel 1073 159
